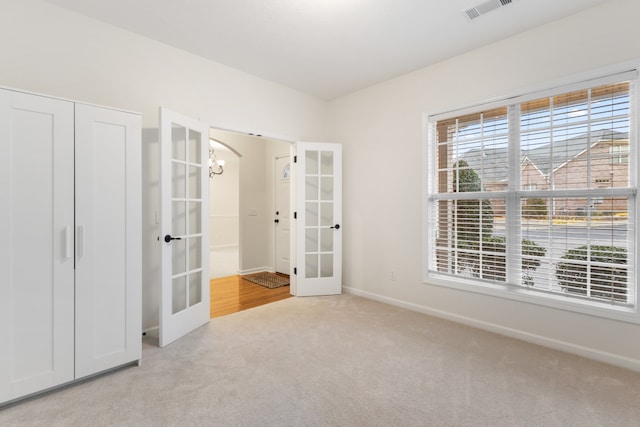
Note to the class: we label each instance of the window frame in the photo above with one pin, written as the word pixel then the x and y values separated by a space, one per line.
pixel 629 313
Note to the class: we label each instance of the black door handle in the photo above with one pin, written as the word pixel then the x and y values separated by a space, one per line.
pixel 276 220
pixel 337 226
pixel 168 238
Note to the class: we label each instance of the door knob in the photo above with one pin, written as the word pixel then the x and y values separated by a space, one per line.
pixel 337 226
pixel 168 238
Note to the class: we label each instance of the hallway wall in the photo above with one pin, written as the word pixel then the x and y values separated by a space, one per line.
pixel 224 202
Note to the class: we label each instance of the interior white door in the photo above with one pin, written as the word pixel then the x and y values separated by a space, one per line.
pixel 184 299
pixel 36 250
pixel 282 214
pixel 108 238
pixel 318 201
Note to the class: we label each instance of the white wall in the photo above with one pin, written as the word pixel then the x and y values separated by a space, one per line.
pixel 49 50
pixel 381 130
pixel 53 51
pixel 224 222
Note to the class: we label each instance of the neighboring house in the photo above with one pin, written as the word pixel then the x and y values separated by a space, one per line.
pixel 562 165
pixel 609 159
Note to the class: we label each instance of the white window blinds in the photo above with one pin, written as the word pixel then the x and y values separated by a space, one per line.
pixel 539 194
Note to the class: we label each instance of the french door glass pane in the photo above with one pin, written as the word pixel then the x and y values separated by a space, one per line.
pixel 311 159
pixel 179 181
pixel 311 213
pixel 179 259
pixel 311 266
pixel 195 288
pixel 194 147
pixel 326 240
pixel 326 162
pixel 326 215
pixel 195 252
pixel 195 183
pixel 179 294
pixel 195 217
pixel 311 240
pixel 326 261
pixel 178 216
pixel 326 192
pixel 311 191
pixel 178 142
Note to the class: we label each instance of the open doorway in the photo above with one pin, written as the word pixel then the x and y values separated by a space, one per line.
pixel 244 220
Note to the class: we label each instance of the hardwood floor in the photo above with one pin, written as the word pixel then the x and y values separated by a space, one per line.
pixel 232 294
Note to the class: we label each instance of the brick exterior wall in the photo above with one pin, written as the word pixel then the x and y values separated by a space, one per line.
pixel 609 169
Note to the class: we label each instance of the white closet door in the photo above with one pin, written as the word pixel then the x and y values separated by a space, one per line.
pixel 36 249
pixel 108 239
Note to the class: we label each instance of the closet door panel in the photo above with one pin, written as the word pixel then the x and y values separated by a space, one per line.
pixel 36 251
pixel 108 226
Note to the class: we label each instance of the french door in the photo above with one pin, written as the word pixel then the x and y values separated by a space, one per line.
pixel 184 299
pixel 318 223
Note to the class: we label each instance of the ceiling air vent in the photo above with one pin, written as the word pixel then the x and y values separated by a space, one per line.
pixel 486 7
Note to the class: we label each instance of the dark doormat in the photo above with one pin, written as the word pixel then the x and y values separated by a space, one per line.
pixel 268 280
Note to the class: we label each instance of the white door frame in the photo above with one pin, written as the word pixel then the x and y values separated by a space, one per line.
pixel 294 227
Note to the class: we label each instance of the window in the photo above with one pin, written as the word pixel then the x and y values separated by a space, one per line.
pixel 533 199
pixel 619 153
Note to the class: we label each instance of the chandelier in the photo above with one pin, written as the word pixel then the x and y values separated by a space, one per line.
pixel 215 165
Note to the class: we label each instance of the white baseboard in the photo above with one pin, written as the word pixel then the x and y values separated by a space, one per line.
pixel 589 353
pixel 256 270
pixel 151 330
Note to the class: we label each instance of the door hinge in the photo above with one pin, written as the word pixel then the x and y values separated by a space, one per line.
pixel 295 215
pixel 295 270
pixel 295 159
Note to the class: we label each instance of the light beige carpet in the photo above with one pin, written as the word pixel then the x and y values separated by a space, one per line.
pixel 343 361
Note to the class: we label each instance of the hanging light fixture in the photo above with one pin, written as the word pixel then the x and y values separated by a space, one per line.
pixel 215 165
